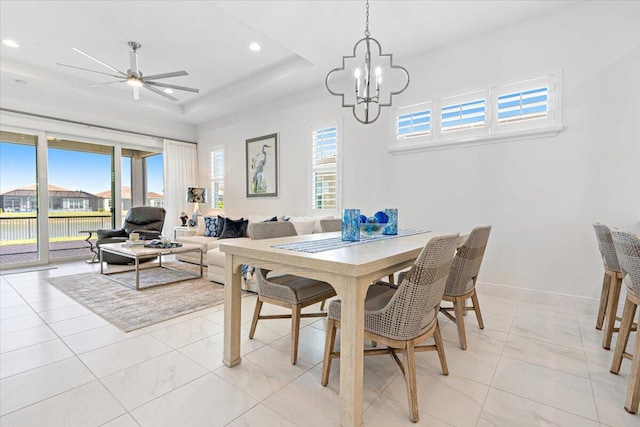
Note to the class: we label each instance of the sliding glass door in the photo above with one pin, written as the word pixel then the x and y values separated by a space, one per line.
pixel 18 199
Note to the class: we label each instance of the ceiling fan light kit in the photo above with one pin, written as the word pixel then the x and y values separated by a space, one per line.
pixel 134 77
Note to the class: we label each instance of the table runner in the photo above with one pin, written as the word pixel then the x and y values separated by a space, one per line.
pixel 337 242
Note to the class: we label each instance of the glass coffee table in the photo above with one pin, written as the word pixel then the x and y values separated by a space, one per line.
pixel 138 253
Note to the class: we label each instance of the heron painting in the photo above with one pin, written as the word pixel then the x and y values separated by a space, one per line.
pixel 262 166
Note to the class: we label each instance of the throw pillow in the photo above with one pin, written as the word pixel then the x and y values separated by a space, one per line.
pixel 274 219
pixel 220 226
pixel 210 226
pixel 233 229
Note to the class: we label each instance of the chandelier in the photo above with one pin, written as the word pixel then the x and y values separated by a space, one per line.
pixel 359 82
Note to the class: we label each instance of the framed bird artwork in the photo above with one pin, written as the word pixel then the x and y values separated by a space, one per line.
pixel 262 166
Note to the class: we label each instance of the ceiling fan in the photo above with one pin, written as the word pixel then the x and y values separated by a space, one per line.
pixel 134 77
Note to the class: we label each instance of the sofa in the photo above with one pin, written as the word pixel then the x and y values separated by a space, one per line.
pixel 214 258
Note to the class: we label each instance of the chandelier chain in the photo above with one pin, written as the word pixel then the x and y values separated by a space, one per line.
pixel 366 31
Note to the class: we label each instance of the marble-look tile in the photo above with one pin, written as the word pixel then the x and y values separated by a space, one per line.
pixel 77 324
pixel 87 405
pixel 217 404
pixel 20 323
pixel 610 402
pixel 102 336
pixel 125 420
pixel 442 396
pixel 506 409
pixel 599 364
pixel 477 365
pixel 187 332
pixel 24 359
pixel 41 383
pixel 263 372
pixel 546 353
pixel 115 357
pixel 63 313
pixel 385 412
pixel 560 390
pixel 11 301
pixel 314 404
pixel 260 416
pixel 148 380
pixel 310 345
pixel 26 337
pixel 15 311
pixel 549 332
pixel 52 304
pixel 40 293
pixel 528 315
pixel 482 339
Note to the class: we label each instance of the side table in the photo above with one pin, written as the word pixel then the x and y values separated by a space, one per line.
pixel 183 230
pixel 92 248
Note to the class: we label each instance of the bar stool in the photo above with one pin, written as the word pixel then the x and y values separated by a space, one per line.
pixel 627 247
pixel 611 284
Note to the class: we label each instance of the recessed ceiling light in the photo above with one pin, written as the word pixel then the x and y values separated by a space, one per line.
pixel 167 90
pixel 255 47
pixel 10 43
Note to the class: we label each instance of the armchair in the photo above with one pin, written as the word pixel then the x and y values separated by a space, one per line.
pixel 145 220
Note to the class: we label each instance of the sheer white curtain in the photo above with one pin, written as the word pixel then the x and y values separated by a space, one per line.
pixel 180 171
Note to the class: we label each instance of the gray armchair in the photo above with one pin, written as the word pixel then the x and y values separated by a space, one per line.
pixel 145 220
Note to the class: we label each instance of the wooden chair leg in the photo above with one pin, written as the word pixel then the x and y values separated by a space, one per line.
pixel 458 308
pixel 604 295
pixel 623 335
pixel 476 308
pixel 256 316
pixel 322 304
pixel 410 379
pixel 437 337
pixel 330 339
pixel 295 332
pixel 612 311
pixel 633 389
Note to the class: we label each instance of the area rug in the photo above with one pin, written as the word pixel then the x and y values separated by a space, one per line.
pixel 129 309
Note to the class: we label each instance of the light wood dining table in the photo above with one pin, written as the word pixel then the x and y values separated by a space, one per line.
pixel 349 270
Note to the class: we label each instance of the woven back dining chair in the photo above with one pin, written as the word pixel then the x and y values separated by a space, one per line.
pixel 461 284
pixel 627 247
pixel 403 317
pixel 285 290
pixel 329 225
pixel 611 285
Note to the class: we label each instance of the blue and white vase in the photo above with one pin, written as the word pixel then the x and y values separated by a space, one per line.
pixel 392 224
pixel 351 225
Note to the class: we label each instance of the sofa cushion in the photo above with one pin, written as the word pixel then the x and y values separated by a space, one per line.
pixel 210 226
pixel 234 229
pixel 220 225
pixel 304 227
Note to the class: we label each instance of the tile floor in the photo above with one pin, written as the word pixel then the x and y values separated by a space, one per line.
pixel 538 362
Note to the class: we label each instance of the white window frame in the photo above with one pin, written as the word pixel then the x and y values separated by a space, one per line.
pixel 481 128
pixel 217 176
pixel 412 139
pixel 338 170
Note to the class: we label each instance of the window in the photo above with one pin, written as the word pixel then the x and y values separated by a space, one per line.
pixel 324 169
pixel 525 105
pixel 217 179
pixel 463 115
pixel 414 122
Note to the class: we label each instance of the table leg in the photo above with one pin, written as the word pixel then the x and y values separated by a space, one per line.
pixel 201 259
pixel 92 248
pixel 137 263
pixel 232 307
pixel 101 262
pixel 351 351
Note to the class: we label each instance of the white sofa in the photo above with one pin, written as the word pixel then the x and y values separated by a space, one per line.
pixel 214 259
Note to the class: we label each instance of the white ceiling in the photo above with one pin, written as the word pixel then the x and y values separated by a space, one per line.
pixel 301 41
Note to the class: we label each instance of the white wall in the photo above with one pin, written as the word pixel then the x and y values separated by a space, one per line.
pixel 540 195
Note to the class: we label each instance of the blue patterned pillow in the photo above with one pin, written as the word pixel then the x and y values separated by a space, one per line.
pixel 210 226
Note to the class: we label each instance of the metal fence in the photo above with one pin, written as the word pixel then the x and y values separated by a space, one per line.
pixel 26 228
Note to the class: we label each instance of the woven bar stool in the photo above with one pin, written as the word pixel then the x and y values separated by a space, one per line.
pixel 611 284
pixel 627 247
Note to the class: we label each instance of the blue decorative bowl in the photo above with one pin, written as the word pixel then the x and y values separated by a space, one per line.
pixel 369 229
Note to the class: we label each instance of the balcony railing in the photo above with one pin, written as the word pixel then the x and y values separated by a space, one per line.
pixel 20 228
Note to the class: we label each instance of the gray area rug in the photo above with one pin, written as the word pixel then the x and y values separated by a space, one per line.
pixel 129 309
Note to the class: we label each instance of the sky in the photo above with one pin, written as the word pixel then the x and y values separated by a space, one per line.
pixel 72 170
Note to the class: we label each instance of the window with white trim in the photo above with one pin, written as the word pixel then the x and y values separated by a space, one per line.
pixel 463 115
pixel 415 122
pixel 217 178
pixel 525 105
pixel 324 169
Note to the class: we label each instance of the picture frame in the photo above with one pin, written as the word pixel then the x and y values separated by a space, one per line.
pixel 262 166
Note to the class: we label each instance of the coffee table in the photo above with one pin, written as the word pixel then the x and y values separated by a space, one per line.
pixel 138 253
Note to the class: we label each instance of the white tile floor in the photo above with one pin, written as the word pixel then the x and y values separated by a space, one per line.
pixel 538 362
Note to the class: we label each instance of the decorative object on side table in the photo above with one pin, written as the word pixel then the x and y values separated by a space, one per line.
pixel 195 195
pixel 351 225
pixel 262 166
pixel 184 217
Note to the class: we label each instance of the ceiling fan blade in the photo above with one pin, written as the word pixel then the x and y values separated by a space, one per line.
pixel 136 93
pixel 188 89
pixel 86 69
pixel 133 59
pixel 159 92
pixel 97 60
pixel 107 83
pixel 166 75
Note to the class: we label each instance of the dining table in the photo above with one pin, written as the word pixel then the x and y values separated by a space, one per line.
pixel 349 268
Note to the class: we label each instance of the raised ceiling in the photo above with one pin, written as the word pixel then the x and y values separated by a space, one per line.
pixel 301 41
